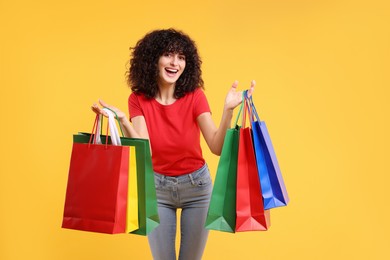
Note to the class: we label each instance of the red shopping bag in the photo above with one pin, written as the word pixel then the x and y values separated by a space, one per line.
pixel 249 202
pixel 96 195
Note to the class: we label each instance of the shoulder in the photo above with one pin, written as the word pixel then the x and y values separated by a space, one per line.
pixel 199 92
pixel 194 97
pixel 196 94
pixel 199 95
pixel 135 101
pixel 133 96
pixel 138 98
pixel 200 103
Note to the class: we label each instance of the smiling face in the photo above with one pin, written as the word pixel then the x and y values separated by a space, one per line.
pixel 170 66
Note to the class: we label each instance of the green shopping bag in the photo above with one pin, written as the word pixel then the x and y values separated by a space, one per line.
pixel 222 210
pixel 221 215
pixel 147 201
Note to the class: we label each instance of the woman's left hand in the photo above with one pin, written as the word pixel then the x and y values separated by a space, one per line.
pixel 95 108
pixel 234 97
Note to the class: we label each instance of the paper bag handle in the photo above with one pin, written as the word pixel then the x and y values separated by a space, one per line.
pixel 111 127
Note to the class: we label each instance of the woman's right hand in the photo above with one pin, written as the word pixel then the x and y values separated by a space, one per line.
pixel 95 108
pixel 234 97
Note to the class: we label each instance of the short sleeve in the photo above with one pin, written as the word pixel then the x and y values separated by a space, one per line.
pixel 201 104
pixel 134 106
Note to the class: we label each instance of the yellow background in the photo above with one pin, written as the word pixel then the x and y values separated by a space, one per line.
pixel 322 87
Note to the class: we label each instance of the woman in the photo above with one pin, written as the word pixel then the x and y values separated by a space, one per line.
pixel 168 107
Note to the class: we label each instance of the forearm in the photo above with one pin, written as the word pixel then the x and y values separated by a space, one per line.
pixel 219 136
pixel 215 136
pixel 128 129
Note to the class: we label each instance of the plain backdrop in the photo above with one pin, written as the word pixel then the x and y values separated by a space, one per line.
pixel 322 87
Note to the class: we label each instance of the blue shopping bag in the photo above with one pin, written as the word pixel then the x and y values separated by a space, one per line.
pixel 272 184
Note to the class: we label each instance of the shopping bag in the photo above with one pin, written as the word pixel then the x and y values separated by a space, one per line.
pixel 249 202
pixel 148 218
pixel 222 209
pixel 272 184
pixel 132 195
pixel 96 195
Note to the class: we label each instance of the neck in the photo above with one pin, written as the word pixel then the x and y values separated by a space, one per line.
pixel 166 95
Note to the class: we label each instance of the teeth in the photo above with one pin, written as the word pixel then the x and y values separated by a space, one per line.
pixel 172 70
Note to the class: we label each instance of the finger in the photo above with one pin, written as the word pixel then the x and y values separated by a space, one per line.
pixel 104 104
pixel 253 84
pixel 97 111
pixel 235 84
pixel 95 108
pixel 252 88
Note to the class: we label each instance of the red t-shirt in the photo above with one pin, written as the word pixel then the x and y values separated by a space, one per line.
pixel 174 133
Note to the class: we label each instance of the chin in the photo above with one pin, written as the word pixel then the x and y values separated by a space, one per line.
pixel 171 81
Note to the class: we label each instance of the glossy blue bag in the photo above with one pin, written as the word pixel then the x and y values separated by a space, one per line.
pixel 272 184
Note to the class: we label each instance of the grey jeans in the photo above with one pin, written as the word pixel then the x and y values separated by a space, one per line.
pixel 191 193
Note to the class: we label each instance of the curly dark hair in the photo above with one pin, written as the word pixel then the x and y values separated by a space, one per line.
pixel 143 72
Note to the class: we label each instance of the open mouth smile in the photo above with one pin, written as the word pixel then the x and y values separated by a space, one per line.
pixel 171 72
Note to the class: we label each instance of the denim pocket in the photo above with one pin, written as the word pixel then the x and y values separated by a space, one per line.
pixel 203 182
pixel 203 179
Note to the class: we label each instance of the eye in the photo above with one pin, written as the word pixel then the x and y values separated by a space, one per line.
pixel 182 57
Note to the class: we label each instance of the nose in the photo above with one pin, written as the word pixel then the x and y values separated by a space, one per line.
pixel 174 59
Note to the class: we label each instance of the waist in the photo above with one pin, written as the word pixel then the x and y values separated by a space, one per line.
pixel 189 177
pixel 175 168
